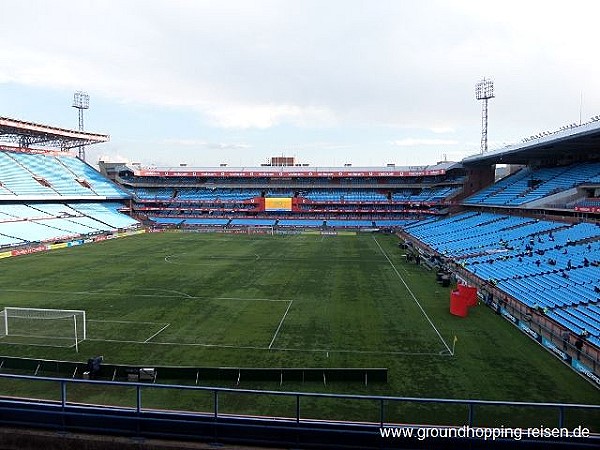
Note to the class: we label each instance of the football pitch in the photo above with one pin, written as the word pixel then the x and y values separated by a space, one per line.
pixel 195 299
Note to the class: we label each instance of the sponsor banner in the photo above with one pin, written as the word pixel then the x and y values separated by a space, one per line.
pixel 258 231
pixel 294 232
pixel 509 316
pixel 346 233
pixel 554 349
pixel 286 174
pixel 29 251
pixel 121 234
pixel 575 364
pixel 369 230
pixel 278 204
pixel 201 230
pixel 525 328
pixel 588 209
pixel 585 370
pixel 130 233
pixel 74 243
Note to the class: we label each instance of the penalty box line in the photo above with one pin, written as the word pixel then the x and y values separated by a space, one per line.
pixel 256 257
pixel 157 333
pixel 129 322
pixel 413 296
pixel 118 294
pixel 280 323
pixel 124 321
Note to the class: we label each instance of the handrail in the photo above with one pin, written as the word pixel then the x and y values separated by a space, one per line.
pixel 289 429
pixel 302 394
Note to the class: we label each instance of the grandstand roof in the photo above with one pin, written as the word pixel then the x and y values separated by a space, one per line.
pixel 27 134
pixel 573 140
pixel 268 171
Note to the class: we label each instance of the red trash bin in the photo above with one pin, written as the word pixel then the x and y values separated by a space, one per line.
pixel 469 293
pixel 458 304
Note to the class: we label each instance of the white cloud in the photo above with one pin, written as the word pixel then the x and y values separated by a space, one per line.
pixel 442 129
pixel 185 142
pixel 177 142
pixel 266 116
pixel 228 146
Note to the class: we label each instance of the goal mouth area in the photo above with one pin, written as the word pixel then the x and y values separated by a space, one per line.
pixel 42 327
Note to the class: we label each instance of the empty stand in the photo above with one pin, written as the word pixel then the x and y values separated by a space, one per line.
pixel 548 265
pixel 529 184
pixel 353 200
pixel 33 200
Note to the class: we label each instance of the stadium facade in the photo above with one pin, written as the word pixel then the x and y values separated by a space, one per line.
pixel 292 197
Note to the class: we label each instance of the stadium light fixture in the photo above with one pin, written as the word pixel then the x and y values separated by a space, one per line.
pixel 81 101
pixel 484 90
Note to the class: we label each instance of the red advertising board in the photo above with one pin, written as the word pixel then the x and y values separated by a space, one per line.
pixel 287 174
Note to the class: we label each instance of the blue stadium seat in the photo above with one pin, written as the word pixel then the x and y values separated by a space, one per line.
pixel 558 272
pixel 529 185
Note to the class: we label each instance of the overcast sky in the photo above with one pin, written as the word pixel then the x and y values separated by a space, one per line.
pixel 329 81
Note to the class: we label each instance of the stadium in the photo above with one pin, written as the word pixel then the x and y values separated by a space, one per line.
pixel 290 305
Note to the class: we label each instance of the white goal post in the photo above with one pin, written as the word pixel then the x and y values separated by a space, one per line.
pixel 63 327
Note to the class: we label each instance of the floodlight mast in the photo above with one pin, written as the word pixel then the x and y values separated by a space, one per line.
pixel 484 90
pixel 81 101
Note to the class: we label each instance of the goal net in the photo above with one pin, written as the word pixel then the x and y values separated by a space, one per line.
pixel 35 326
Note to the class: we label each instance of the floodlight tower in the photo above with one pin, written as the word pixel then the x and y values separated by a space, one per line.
pixel 484 90
pixel 81 101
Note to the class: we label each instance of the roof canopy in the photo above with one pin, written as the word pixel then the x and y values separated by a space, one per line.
pixel 28 134
pixel 569 142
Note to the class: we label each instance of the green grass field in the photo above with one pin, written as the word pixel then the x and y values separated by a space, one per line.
pixel 282 301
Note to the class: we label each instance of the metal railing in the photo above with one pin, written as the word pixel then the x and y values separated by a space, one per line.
pixel 560 409
pixel 216 421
